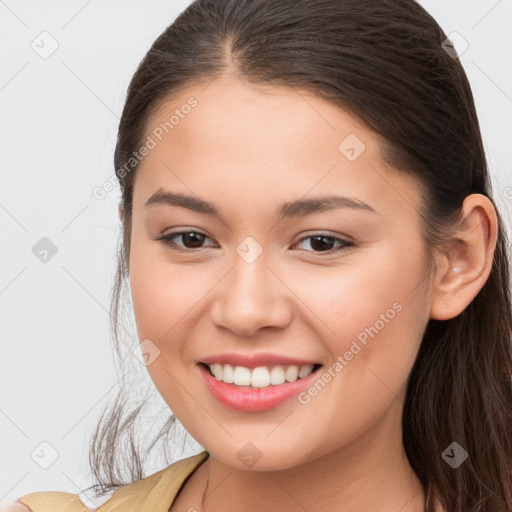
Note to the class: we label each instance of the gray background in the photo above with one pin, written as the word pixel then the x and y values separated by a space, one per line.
pixel 58 129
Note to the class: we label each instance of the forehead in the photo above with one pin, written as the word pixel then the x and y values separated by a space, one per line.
pixel 239 118
pixel 230 141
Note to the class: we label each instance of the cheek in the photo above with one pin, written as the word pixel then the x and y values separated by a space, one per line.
pixel 161 299
pixel 162 294
pixel 372 312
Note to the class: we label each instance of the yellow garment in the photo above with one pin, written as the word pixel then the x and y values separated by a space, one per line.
pixel 154 493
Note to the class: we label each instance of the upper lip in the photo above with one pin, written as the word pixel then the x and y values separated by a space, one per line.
pixel 252 361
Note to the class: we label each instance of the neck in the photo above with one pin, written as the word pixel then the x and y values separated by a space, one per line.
pixel 371 473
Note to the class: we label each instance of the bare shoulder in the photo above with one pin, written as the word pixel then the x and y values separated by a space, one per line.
pixel 14 507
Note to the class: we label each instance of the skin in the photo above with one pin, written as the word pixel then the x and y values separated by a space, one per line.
pixel 248 149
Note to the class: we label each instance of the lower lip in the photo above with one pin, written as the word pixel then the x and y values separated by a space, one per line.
pixel 254 399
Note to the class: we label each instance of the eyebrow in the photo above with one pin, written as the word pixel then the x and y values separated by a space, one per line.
pixel 297 208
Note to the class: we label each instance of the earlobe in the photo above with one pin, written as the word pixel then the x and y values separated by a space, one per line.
pixel 465 268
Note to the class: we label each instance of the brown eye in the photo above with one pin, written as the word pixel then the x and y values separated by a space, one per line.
pixel 324 243
pixel 190 240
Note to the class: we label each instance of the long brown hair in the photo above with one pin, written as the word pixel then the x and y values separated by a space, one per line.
pixel 384 61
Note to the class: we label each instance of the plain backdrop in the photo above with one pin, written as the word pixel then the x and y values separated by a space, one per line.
pixel 64 74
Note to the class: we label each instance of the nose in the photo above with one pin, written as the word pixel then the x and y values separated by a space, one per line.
pixel 251 297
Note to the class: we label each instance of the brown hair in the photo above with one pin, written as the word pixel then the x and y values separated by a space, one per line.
pixel 384 62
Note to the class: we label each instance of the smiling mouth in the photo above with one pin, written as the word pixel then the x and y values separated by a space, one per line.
pixel 261 376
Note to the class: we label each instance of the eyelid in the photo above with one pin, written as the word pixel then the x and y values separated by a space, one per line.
pixel 326 234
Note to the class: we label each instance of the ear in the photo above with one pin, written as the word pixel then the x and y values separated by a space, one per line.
pixel 464 268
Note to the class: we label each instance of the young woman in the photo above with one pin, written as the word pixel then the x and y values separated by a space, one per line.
pixel 319 273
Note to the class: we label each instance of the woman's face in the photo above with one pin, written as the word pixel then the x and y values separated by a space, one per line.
pixel 340 286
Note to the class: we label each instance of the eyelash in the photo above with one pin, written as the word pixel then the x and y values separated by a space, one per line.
pixel 167 241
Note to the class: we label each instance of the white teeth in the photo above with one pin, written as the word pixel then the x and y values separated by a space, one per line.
pixel 305 370
pixel 277 376
pixel 228 373
pixel 261 376
pixel 242 376
pixel 292 373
